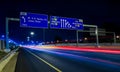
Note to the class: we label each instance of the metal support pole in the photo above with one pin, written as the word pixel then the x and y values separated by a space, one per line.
pixel 3 44
pixel 96 32
pixel 44 35
pixel 114 38
pixel 7 31
pixel 0 45
pixel 7 34
pixel 77 37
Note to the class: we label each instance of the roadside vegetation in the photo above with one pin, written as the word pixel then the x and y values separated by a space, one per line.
pixel 2 54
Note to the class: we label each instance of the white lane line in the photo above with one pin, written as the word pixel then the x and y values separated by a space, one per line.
pixel 58 70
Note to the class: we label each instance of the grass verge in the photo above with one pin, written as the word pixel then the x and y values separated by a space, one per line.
pixel 2 54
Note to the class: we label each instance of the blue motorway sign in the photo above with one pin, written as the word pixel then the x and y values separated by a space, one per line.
pixel 33 20
pixel 66 23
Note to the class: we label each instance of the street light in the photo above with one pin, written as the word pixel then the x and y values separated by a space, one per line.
pixel 66 40
pixel 9 41
pixel 3 36
pixel 85 38
pixel 117 36
pixel 32 33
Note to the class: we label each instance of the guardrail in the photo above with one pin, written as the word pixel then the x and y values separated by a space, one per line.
pixel 86 44
pixel 6 59
pixel 13 51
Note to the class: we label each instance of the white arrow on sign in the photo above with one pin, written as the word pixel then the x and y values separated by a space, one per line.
pixel 23 19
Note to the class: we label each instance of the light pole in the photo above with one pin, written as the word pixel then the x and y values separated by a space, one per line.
pixel 32 34
pixel 28 38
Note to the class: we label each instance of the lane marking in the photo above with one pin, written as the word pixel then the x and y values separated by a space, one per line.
pixel 55 68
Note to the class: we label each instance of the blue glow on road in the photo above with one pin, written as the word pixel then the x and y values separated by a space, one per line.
pixel 80 58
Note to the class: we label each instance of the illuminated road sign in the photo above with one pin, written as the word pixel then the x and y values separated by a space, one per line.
pixel 33 20
pixel 66 23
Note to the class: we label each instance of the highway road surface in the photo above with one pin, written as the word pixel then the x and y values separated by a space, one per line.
pixel 57 60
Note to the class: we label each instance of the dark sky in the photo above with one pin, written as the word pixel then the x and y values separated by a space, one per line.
pixel 104 13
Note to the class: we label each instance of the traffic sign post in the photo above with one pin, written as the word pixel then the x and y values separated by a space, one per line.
pixel 7 32
pixel 97 39
pixel 96 32
pixel 66 23
pixel 114 37
pixel 77 38
pixel 33 20
pixel 102 32
pixel 41 21
pixel 7 38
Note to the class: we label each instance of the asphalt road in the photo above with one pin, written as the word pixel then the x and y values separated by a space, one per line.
pixel 30 60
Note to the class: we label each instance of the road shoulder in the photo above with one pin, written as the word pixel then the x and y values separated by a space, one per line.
pixel 10 66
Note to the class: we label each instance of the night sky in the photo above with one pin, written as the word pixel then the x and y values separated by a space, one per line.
pixel 104 13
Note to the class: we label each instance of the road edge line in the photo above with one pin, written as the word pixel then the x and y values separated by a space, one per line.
pixel 58 70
